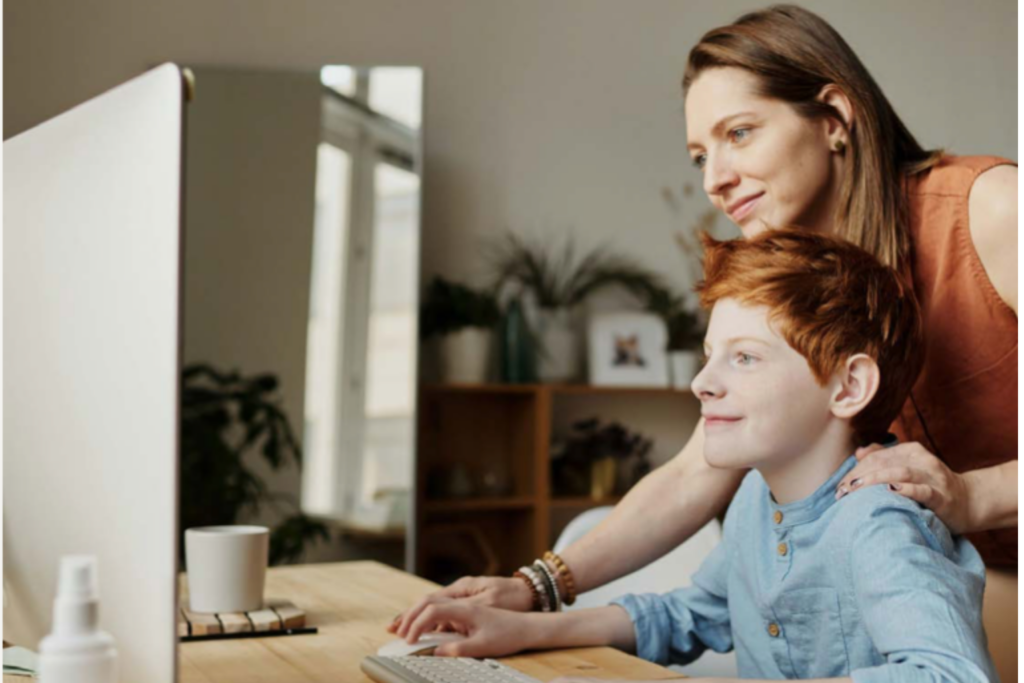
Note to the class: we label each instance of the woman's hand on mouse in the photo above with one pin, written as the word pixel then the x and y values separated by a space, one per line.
pixel 493 591
pixel 489 632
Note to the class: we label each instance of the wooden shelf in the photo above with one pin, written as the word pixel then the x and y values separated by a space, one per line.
pixel 470 504
pixel 483 430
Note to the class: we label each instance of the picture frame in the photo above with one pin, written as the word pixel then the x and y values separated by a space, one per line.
pixel 627 349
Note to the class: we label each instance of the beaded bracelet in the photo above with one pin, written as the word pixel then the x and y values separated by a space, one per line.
pixel 552 585
pixel 538 583
pixel 565 573
pixel 534 595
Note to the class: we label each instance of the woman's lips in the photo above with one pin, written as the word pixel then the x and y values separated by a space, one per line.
pixel 744 209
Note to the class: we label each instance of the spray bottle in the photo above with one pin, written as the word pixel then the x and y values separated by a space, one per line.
pixel 77 651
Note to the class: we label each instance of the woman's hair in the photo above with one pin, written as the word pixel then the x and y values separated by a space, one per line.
pixel 829 300
pixel 794 53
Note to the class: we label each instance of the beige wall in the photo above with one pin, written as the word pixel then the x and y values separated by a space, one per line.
pixel 544 116
pixel 540 115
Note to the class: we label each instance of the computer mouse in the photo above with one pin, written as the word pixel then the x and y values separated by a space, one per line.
pixel 424 646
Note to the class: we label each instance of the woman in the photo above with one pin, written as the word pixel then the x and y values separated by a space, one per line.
pixel 789 128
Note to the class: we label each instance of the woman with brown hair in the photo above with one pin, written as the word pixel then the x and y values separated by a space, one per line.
pixel 790 129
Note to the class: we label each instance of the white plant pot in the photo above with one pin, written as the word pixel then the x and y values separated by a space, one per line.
pixel 684 366
pixel 465 356
pixel 559 353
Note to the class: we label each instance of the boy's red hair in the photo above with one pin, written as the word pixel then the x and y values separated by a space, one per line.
pixel 829 300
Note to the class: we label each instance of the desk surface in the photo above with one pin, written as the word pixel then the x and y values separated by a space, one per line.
pixel 351 603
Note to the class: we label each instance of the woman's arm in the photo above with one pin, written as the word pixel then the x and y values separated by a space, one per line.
pixel 667 507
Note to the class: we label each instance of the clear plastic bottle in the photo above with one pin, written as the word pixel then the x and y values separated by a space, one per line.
pixel 77 651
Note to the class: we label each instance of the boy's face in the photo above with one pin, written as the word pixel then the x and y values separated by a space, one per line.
pixel 761 403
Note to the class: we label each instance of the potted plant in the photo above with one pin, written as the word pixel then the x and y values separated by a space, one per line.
pixel 599 460
pixel 227 420
pixel 464 319
pixel 559 282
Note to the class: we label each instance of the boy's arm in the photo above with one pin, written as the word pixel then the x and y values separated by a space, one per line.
pixel 677 627
pixel 921 608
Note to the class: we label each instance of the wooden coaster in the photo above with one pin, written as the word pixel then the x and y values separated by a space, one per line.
pixel 276 615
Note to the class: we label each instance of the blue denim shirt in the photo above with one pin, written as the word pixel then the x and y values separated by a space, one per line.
pixel 872 586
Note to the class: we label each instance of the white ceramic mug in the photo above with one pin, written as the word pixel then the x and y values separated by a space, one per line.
pixel 227 566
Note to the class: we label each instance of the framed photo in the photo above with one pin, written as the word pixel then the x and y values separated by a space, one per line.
pixel 628 349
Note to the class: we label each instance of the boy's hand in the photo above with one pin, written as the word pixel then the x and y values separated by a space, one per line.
pixel 504 592
pixel 489 632
pixel 910 470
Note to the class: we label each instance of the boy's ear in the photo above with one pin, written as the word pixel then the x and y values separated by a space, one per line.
pixel 857 383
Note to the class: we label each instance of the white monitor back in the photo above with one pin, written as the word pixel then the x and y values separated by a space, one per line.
pixel 92 272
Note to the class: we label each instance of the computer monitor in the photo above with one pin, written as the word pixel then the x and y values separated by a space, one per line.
pixel 92 356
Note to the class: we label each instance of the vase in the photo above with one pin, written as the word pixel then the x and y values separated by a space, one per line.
pixel 465 356
pixel 559 340
pixel 518 356
pixel 684 365
pixel 602 478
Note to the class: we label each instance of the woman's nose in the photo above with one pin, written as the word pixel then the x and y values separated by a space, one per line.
pixel 719 175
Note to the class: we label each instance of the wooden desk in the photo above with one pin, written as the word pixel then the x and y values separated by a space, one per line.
pixel 351 603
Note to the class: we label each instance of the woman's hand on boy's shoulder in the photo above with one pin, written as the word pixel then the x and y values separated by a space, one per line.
pixel 912 471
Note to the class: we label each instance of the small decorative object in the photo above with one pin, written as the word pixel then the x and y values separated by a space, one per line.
pixel 464 318
pixel 598 460
pixel 628 349
pixel 518 354
pixel 450 483
pixel 602 478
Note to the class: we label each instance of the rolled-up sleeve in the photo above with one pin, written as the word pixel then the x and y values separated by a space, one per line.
pixel 677 627
pixel 919 592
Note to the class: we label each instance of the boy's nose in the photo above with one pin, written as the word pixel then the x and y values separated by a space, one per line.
pixel 704 385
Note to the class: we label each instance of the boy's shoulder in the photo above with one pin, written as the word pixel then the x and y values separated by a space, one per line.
pixel 875 511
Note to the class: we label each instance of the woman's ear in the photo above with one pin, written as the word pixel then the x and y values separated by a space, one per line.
pixel 833 96
pixel 857 384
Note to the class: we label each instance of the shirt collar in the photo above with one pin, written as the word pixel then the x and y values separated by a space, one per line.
pixel 813 506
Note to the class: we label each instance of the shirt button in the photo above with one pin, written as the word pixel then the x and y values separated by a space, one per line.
pixel 783 549
pixel 778 517
pixel 773 630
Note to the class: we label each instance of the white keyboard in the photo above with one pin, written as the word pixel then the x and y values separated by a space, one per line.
pixel 413 669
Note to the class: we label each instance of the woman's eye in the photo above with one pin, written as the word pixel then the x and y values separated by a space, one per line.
pixel 745 359
pixel 739 134
pixel 700 160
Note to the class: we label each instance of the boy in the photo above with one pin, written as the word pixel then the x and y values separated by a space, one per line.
pixel 811 350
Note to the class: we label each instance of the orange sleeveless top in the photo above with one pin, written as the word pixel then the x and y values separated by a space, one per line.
pixel 964 405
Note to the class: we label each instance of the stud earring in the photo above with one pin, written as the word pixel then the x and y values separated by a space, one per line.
pixel 840 146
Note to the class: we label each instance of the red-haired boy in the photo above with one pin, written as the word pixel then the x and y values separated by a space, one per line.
pixel 812 348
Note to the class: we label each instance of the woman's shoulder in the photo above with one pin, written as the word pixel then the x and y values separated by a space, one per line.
pixel 954 175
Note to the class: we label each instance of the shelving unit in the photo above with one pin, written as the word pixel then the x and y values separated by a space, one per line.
pixel 502 434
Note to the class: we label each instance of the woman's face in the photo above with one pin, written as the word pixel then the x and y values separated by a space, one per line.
pixel 764 165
